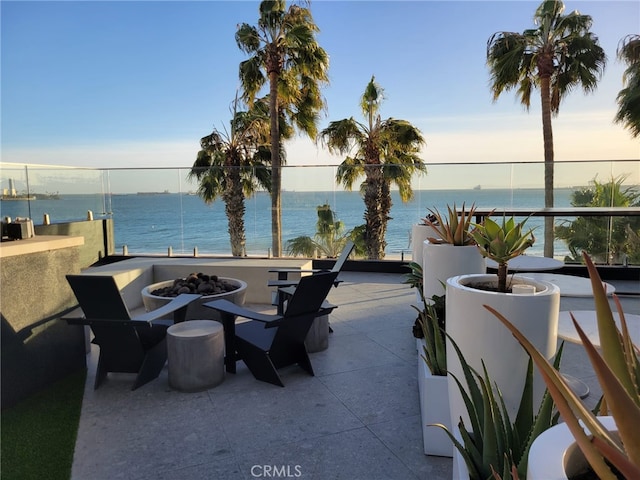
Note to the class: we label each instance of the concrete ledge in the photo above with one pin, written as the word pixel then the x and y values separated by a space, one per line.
pixel 38 243
pixel 98 237
pixel 136 273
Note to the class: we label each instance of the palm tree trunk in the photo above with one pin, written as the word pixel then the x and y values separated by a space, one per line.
pixel 373 214
pixel 235 208
pixel 385 210
pixel 547 134
pixel 276 172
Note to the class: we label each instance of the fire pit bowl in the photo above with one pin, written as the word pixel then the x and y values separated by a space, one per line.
pixel 152 298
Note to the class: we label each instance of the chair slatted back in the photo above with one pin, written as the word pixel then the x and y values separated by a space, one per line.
pixel 99 297
pixel 300 313
pixel 309 294
pixel 344 255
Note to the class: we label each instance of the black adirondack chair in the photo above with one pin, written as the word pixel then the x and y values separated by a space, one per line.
pixel 283 273
pixel 284 281
pixel 130 345
pixel 269 342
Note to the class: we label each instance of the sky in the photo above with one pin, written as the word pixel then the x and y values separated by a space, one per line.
pixel 125 84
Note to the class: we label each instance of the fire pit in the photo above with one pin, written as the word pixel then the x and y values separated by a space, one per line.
pixel 211 287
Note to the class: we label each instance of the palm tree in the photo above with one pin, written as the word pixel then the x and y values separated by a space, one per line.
pixel 556 56
pixel 385 152
pixel 329 240
pixel 234 164
pixel 283 53
pixel 607 240
pixel 629 97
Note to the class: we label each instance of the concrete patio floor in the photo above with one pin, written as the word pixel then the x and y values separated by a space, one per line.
pixel 357 418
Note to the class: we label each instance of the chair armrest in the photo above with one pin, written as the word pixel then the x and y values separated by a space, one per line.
pixel 295 270
pixel 226 306
pixel 288 287
pixel 283 273
pixel 282 283
pixel 326 308
pixel 75 317
pixel 292 283
pixel 181 301
pixel 105 322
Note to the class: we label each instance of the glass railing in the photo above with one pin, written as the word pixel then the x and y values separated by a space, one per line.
pixel 155 209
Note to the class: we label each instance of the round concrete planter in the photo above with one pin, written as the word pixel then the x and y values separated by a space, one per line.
pixel 555 455
pixel 195 311
pixel 482 337
pixel 419 234
pixel 443 260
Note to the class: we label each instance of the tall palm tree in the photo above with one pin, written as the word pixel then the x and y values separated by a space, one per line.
pixel 629 97
pixel 233 164
pixel 385 152
pixel 285 54
pixel 556 56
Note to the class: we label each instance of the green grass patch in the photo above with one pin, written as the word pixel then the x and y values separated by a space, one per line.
pixel 39 434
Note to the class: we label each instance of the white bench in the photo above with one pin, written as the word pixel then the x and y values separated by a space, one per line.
pixel 134 274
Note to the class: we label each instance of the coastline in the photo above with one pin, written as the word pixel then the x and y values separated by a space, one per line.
pixel 151 224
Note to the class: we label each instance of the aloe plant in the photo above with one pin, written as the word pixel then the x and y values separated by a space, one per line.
pixel 501 243
pixel 430 324
pixel 496 447
pixel 618 371
pixel 434 350
pixel 454 228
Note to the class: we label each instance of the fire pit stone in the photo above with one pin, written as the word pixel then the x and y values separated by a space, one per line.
pixel 211 287
pixel 197 283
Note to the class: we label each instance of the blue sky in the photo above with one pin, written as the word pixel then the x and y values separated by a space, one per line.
pixel 137 84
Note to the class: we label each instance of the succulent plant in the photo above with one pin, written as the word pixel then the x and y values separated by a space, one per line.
pixel 618 371
pixel 501 243
pixel 454 228
pixel 430 324
pixel 493 445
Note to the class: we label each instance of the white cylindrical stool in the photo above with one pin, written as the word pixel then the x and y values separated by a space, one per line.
pixel 195 351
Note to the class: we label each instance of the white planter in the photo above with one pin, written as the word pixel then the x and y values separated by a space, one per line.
pixel 195 310
pixel 459 470
pixel 481 336
pixel 419 234
pixel 550 456
pixel 443 261
pixel 434 408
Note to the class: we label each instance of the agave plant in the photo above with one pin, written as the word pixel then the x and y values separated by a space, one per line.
pixel 496 447
pixel 618 372
pixel 430 324
pixel 455 228
pixel 501 243
pixel 434 350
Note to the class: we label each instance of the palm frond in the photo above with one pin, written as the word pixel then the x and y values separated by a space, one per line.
pixel 562 41
pixel 628 99
pixel 340 136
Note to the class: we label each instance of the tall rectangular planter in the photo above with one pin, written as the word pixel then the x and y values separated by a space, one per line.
pixel 434 408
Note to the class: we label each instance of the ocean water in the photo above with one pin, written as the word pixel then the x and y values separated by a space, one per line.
pixel 152 223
